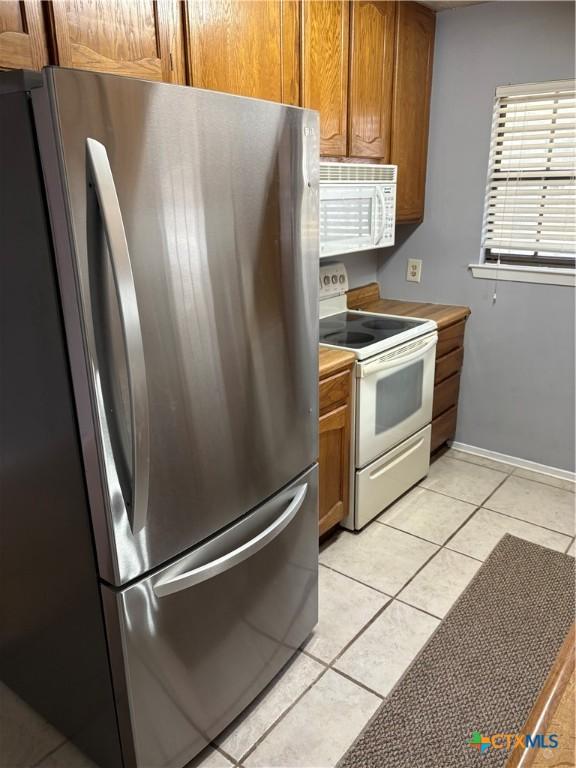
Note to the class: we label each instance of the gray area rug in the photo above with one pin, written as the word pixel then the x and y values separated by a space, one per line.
pixel 481 670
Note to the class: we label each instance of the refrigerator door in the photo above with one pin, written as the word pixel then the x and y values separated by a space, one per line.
pixel 185 225
pixel 193 644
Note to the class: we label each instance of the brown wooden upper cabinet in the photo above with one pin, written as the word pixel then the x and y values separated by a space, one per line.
pixel 22 35
pixel 365 65
pixel 247 47
pixel 372 32
pixel 140 38
pixel 411 106
pixel 325 32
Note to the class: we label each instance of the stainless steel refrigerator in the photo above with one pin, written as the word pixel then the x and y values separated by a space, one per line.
pixel 159 405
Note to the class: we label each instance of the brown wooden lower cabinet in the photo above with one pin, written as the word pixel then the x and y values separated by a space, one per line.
pixel 334 461
pixel 449 360
pixel 334 448
pixel 445 395
pixel 443 427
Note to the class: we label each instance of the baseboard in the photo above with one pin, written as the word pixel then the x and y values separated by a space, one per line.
pixel 563 474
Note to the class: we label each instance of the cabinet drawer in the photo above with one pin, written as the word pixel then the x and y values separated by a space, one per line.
pixel 334 390
pixel 445 395
pixel 444 427
pixel 450 338
pixel 448 364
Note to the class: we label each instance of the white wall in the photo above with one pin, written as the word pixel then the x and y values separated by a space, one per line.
pixel 517 387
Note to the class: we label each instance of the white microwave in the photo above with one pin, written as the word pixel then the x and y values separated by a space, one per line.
pixel 357 207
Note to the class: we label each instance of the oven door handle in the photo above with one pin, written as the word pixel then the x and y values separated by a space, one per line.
pixel 367 369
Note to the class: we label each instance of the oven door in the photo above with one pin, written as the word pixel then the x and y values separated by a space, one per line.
pixel 352 218
pixel 394 397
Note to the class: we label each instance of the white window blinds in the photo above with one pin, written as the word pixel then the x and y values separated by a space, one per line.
pixel 529 211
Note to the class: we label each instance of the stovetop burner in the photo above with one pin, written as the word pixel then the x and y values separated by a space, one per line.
pixel 357 330
pixel 387 324
pixel 348 338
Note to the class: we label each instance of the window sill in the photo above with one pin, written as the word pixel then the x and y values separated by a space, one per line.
pixel 522 274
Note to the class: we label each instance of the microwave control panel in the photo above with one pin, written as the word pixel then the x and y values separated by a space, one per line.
pixel 389 213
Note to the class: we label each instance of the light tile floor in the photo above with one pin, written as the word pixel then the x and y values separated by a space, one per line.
pixel 383 592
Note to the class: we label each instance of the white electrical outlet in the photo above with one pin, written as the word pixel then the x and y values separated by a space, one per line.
pixel 414 270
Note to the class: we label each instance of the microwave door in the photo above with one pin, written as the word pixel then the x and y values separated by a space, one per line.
pixel 348 219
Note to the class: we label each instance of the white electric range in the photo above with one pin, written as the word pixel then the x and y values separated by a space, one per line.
pixel 394 383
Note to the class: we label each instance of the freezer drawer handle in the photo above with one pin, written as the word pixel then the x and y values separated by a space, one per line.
pixel 132 333
pixel 170 585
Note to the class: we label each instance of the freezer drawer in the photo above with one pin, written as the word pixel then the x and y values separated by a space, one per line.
pixel 199 639
pixel 387 478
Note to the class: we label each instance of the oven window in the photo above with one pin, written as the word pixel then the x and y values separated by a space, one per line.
pixel 398 396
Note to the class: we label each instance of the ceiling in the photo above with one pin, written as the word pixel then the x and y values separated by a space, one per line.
pixel 443 5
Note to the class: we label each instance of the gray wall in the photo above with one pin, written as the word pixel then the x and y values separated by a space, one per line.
pixel 517 388
pixel 362 267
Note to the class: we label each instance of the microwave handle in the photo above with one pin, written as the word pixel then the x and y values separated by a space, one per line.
pixel 383 224
pixel 367 369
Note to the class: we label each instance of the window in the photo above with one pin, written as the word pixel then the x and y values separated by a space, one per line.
pixel 529 210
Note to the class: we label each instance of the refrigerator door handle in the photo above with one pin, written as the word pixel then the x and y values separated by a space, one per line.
pixel 125 288
pixel 172 584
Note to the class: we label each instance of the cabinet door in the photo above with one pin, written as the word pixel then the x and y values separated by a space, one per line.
pixel 140 38
pixel 325 69
pixel 411 106
pixel 334 467
pixel 371 77
pixel 22 35
pixel 247 47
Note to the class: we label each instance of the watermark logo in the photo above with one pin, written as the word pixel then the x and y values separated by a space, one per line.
pixel 510 741
pixel 479 742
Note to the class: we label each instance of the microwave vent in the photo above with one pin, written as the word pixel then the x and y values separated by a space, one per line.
pixel 355 173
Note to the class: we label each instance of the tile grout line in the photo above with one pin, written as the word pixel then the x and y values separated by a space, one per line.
pixel 447 495
pixel 351 679
pixel 223 752
pixel 477 464
pixel 513 472
pixel 396 596
pixel 422 610
pixel 330 665
pixel 476 510
pixel 327 666
pixel 353 578
pixel 50 752
pixel 443 546
pixel 409 533
pixel 361 631
pixel 529 522
pixel 282 715
pixel 429 541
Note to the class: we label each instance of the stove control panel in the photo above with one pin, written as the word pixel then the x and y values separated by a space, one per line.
pixel 333 280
